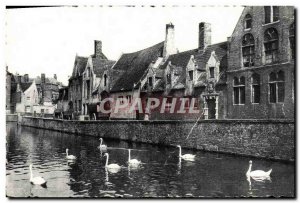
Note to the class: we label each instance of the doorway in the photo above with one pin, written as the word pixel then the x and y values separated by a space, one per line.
pixel 211 105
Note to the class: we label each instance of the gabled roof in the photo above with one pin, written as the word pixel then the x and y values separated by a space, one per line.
pixel 79 66
pixel 24 86
pixel 220 50
pixel 180 59
pixel 134 66
pixel 100 65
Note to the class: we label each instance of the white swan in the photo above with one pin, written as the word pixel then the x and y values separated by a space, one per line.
pixel 102 147
pixel 132 162
pixel 71 157
pixel 258 174
pixel 188 157
pixel 113 168
pixel 36 180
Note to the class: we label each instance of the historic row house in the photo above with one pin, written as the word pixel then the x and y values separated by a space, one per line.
pixel 249 76
pixel 260 74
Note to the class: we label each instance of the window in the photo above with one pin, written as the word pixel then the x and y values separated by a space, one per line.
pixel 191 74
pixel 271 45
pixel 128 97
pixel 276 87
pixel 105 80
pixel 27 109
pixel 248 50
pixel 150 81
pixel 169 78
pixel 28 98
pixel 212 72
pixel 271 14
pixel 248 21
pixel 239 90
pixel 292 39
pixel 255 80
pixel 120 98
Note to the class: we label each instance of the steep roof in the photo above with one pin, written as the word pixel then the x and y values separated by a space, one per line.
pixel 180 59
pixel 220 50
pixel 134 66
pixel 79 65
pixel 24 86
pixel 100 65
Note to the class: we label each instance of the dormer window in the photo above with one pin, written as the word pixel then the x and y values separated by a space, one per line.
pixel 271 14
pixel 248 21
pixel 150 81
pixel 105 80
pixel 191 75
pixel 212 72
pixel 168 78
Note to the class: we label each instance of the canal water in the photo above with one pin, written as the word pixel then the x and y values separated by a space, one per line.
pixel 161 173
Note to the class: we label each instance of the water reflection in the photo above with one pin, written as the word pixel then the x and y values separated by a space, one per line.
pixel 161 174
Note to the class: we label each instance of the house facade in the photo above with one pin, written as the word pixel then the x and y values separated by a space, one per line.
pixel 95 81
pixel 75 87
pixel 27 94
pixel 261 64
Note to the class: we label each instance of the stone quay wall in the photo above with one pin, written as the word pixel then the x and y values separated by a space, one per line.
pixel 11 117
pixel 271 139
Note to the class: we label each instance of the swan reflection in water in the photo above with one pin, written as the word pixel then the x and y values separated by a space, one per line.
pixel 260 179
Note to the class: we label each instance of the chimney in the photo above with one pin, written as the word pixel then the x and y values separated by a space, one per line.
pixel 19 77
pixel 43 78
pixel 26 78
pixel 98 48
pixel 204 35
pixel 55 77
pixel 169 45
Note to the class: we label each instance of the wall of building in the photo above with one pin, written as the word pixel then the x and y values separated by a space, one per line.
pixel 274 139
pixel 265 109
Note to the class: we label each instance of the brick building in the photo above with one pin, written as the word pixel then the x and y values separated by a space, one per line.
pixel 261 66
pixel 95 80
pixel 75 86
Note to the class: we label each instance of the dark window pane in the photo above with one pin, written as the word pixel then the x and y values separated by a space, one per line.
pixel 280 91
pixel 168 78
pixel 255 79
pixel 212 72
pixel 235 81
pixel 236 95
pixel 242 80
pixel 267 14
pixel 275 13
pixel 150 81
pixel 280 76
pixel 256 93
pixel 242 95
pixel 191 74
pixel 272 92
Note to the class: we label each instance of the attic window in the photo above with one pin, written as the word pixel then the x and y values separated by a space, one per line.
pixel 248 21
pixel 150 81
pixel 191 75
pixel 168 78
pixel 212 72
pixel 105 80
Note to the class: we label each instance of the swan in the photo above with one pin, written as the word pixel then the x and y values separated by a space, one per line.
pixel 102 146
pixel 188 157
pixel 36 180
pixel 258 174
pixel 132 162
pixel 113 168
pixel 71 157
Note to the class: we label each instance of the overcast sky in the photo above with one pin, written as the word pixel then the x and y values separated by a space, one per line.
pixel 46 40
